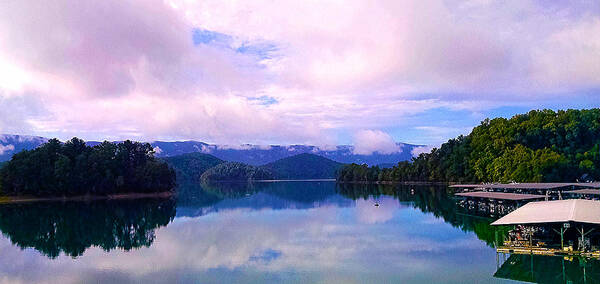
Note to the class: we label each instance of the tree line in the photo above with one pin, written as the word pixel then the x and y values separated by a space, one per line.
pixel 74 168
pixel 539 146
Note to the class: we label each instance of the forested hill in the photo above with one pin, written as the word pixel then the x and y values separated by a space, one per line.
pixel 73 168
pixel 234 171
pixel 537 146
pixel 191 166
pixel 303 166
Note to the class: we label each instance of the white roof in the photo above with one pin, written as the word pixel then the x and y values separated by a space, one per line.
pixel 558 211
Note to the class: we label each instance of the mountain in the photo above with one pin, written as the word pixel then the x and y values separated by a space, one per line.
pixel 191 166
pixel 255 155
pixel 303 166
pixel 11 144
pixel 260 155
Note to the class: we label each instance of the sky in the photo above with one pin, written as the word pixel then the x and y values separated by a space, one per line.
pixel 290 72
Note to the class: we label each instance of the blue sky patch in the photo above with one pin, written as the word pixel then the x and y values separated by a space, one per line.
pixel 262 50
pixel 264 100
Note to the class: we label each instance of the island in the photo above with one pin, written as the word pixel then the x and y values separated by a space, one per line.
pixel 74 169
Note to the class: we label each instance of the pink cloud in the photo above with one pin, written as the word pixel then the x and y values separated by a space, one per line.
pixel 114 69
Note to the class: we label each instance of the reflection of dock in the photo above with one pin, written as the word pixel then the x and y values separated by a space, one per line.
pixel 547 269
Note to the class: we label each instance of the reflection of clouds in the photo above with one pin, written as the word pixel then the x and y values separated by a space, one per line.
pixel 321 243
pixel 368 213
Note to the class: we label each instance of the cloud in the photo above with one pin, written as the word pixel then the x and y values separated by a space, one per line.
pixel 6 148
pixel 287 72
pixel 367 142
pixel 157 150
pixel 415 152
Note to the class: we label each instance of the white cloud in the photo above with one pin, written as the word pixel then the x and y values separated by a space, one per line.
pixel 6 148
pixel 157 150
pixel 415 152
pixel 368 141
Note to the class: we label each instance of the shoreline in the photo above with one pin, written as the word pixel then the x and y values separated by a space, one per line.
pixel 119 196
pixel 399 182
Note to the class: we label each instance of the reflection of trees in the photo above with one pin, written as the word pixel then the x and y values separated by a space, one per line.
pixel 72 227
pixel 193 194
pixel 303 192
pixel 429 199
pixel 229 189
pixel 549 269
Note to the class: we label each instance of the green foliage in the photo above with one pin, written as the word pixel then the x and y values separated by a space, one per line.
pixel 190 167
pixel 540 146
pixel 234 171
pixel 73 168
pixel 303 166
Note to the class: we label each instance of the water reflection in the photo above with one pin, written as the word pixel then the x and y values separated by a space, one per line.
pixel 72 227
pixel 292 232
pixel 437 200
pixel 201 199
pixel 549 269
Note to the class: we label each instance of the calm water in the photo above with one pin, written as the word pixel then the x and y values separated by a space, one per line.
pixel 292 232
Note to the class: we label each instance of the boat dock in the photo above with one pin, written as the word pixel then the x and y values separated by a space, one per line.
pixel 500 195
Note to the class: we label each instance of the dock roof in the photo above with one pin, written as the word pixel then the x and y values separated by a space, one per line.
pixel 584 191
pixel 549 185
pixel 558 211
pixel 501 195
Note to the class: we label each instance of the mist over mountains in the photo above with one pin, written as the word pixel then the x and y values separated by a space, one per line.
pixel 250 154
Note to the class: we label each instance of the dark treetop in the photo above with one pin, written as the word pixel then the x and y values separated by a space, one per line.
pixel 73 168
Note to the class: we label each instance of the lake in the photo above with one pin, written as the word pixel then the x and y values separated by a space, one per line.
pixel 283 232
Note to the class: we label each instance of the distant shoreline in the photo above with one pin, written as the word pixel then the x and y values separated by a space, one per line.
pixel 399 182
pixel 295 180
pixel 120 196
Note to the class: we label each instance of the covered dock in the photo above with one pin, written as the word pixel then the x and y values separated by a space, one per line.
pixel 501 195
pixel 556 211
pixel 553 190
pixel 539 224
pixel 493 204
pixel 530 186
pixel 587 193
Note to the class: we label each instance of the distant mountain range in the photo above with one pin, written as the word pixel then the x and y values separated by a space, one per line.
pixel 11 144
pixel 250 154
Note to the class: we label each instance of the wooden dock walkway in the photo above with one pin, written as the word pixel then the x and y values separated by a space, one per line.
pixel 546 251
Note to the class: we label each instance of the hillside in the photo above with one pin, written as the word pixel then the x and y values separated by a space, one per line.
pixel 539 146
pixel 303 166
pixel 191 166
pixel 234 171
